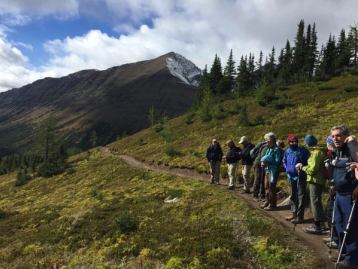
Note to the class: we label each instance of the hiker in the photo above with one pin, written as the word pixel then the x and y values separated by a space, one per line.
pixel 297 181
pixel 316 182
pixel 214 155
pixel 346 192
pixel 259 184
pixel 232 157
pixel 271 162
pixel 332 240
pixel 246 162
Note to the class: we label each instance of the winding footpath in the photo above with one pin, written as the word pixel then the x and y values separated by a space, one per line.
pixel 313 242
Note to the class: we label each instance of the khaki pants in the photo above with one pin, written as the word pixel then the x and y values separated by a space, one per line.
pixel 215 171
pixel 246 174
pixel 231 170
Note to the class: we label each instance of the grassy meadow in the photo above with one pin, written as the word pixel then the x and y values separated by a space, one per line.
pixel 104 214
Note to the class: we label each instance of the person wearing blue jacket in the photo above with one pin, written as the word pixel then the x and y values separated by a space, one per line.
pixel 271 161
pixel 214 156
pixel 293 155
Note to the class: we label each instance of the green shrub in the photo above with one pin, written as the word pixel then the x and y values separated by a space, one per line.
pixel 204 114
pixel 174 263
pixel 126 223
pixel 171 151
pixel 219 258
pixel 189 118
pixel 351 89
pixel 282 102
pixel 49 169
pixel 22 177
pixel 158 127
pixel 219 113
pixel 265 94
pixel 167 135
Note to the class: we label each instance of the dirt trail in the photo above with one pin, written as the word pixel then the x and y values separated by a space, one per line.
pixel 314 242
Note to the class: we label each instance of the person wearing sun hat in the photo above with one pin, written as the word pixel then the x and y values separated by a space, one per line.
pixel 293 155
pixel 232 157
pixel 246 162
pixel 316 182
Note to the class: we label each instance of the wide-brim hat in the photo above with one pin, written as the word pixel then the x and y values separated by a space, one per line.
pixel 243 139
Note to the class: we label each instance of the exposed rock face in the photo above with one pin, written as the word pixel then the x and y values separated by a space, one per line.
pixel 110 102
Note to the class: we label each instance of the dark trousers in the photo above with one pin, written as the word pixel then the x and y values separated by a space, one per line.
pixel 298 191
pixel 271 196
pixel 342 212
pixel 259 183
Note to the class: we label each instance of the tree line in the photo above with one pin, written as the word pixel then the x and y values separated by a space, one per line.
pixel 297 62
pixel 47 157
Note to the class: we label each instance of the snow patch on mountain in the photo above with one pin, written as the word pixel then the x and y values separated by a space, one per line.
pixel 183 69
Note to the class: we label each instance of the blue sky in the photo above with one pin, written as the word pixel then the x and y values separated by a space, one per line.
pixel 54 38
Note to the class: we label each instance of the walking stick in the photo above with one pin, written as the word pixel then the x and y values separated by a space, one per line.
pixel 332 225
pixel 345 233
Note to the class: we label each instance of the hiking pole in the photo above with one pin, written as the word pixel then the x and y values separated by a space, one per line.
pixel 332 225
pixel 345 233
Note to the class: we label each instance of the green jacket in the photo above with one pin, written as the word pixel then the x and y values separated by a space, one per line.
pixel 315 166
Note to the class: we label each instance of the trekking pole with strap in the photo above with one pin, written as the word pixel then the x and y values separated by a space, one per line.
pixel 332 225
pixel 345 233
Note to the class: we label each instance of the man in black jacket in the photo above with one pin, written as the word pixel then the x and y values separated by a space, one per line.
pixel 346 187
pixel 246 162
pixel 214 155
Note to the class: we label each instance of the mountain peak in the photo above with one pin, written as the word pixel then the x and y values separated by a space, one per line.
pixel 183 69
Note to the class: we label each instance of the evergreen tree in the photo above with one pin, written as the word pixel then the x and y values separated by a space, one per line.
pixel 270 72
pixel 299 52
pixel 285 73
pixel 243 77
pixel 312 53
pixel 328 63
pixel 229 71
pixel 259 71
pixel 353 44
pixel 343 52
pixel 215 74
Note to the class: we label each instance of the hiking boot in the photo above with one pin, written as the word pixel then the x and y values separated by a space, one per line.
pixel 264 205
pixel 346 265
pixel 231 188
pixel 291 217
pixel 314 229
pixel 333 246
pixel 297 221
pixel 270 208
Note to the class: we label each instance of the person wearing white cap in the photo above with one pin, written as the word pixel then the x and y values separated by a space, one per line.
pixel 246 162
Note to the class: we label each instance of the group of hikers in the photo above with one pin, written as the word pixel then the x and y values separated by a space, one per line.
pixel 310 170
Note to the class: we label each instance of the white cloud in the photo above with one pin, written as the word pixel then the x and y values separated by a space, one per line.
pixel 197 29
pixel 14 70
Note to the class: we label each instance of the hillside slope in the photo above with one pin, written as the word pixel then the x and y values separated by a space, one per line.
pixel 315 108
